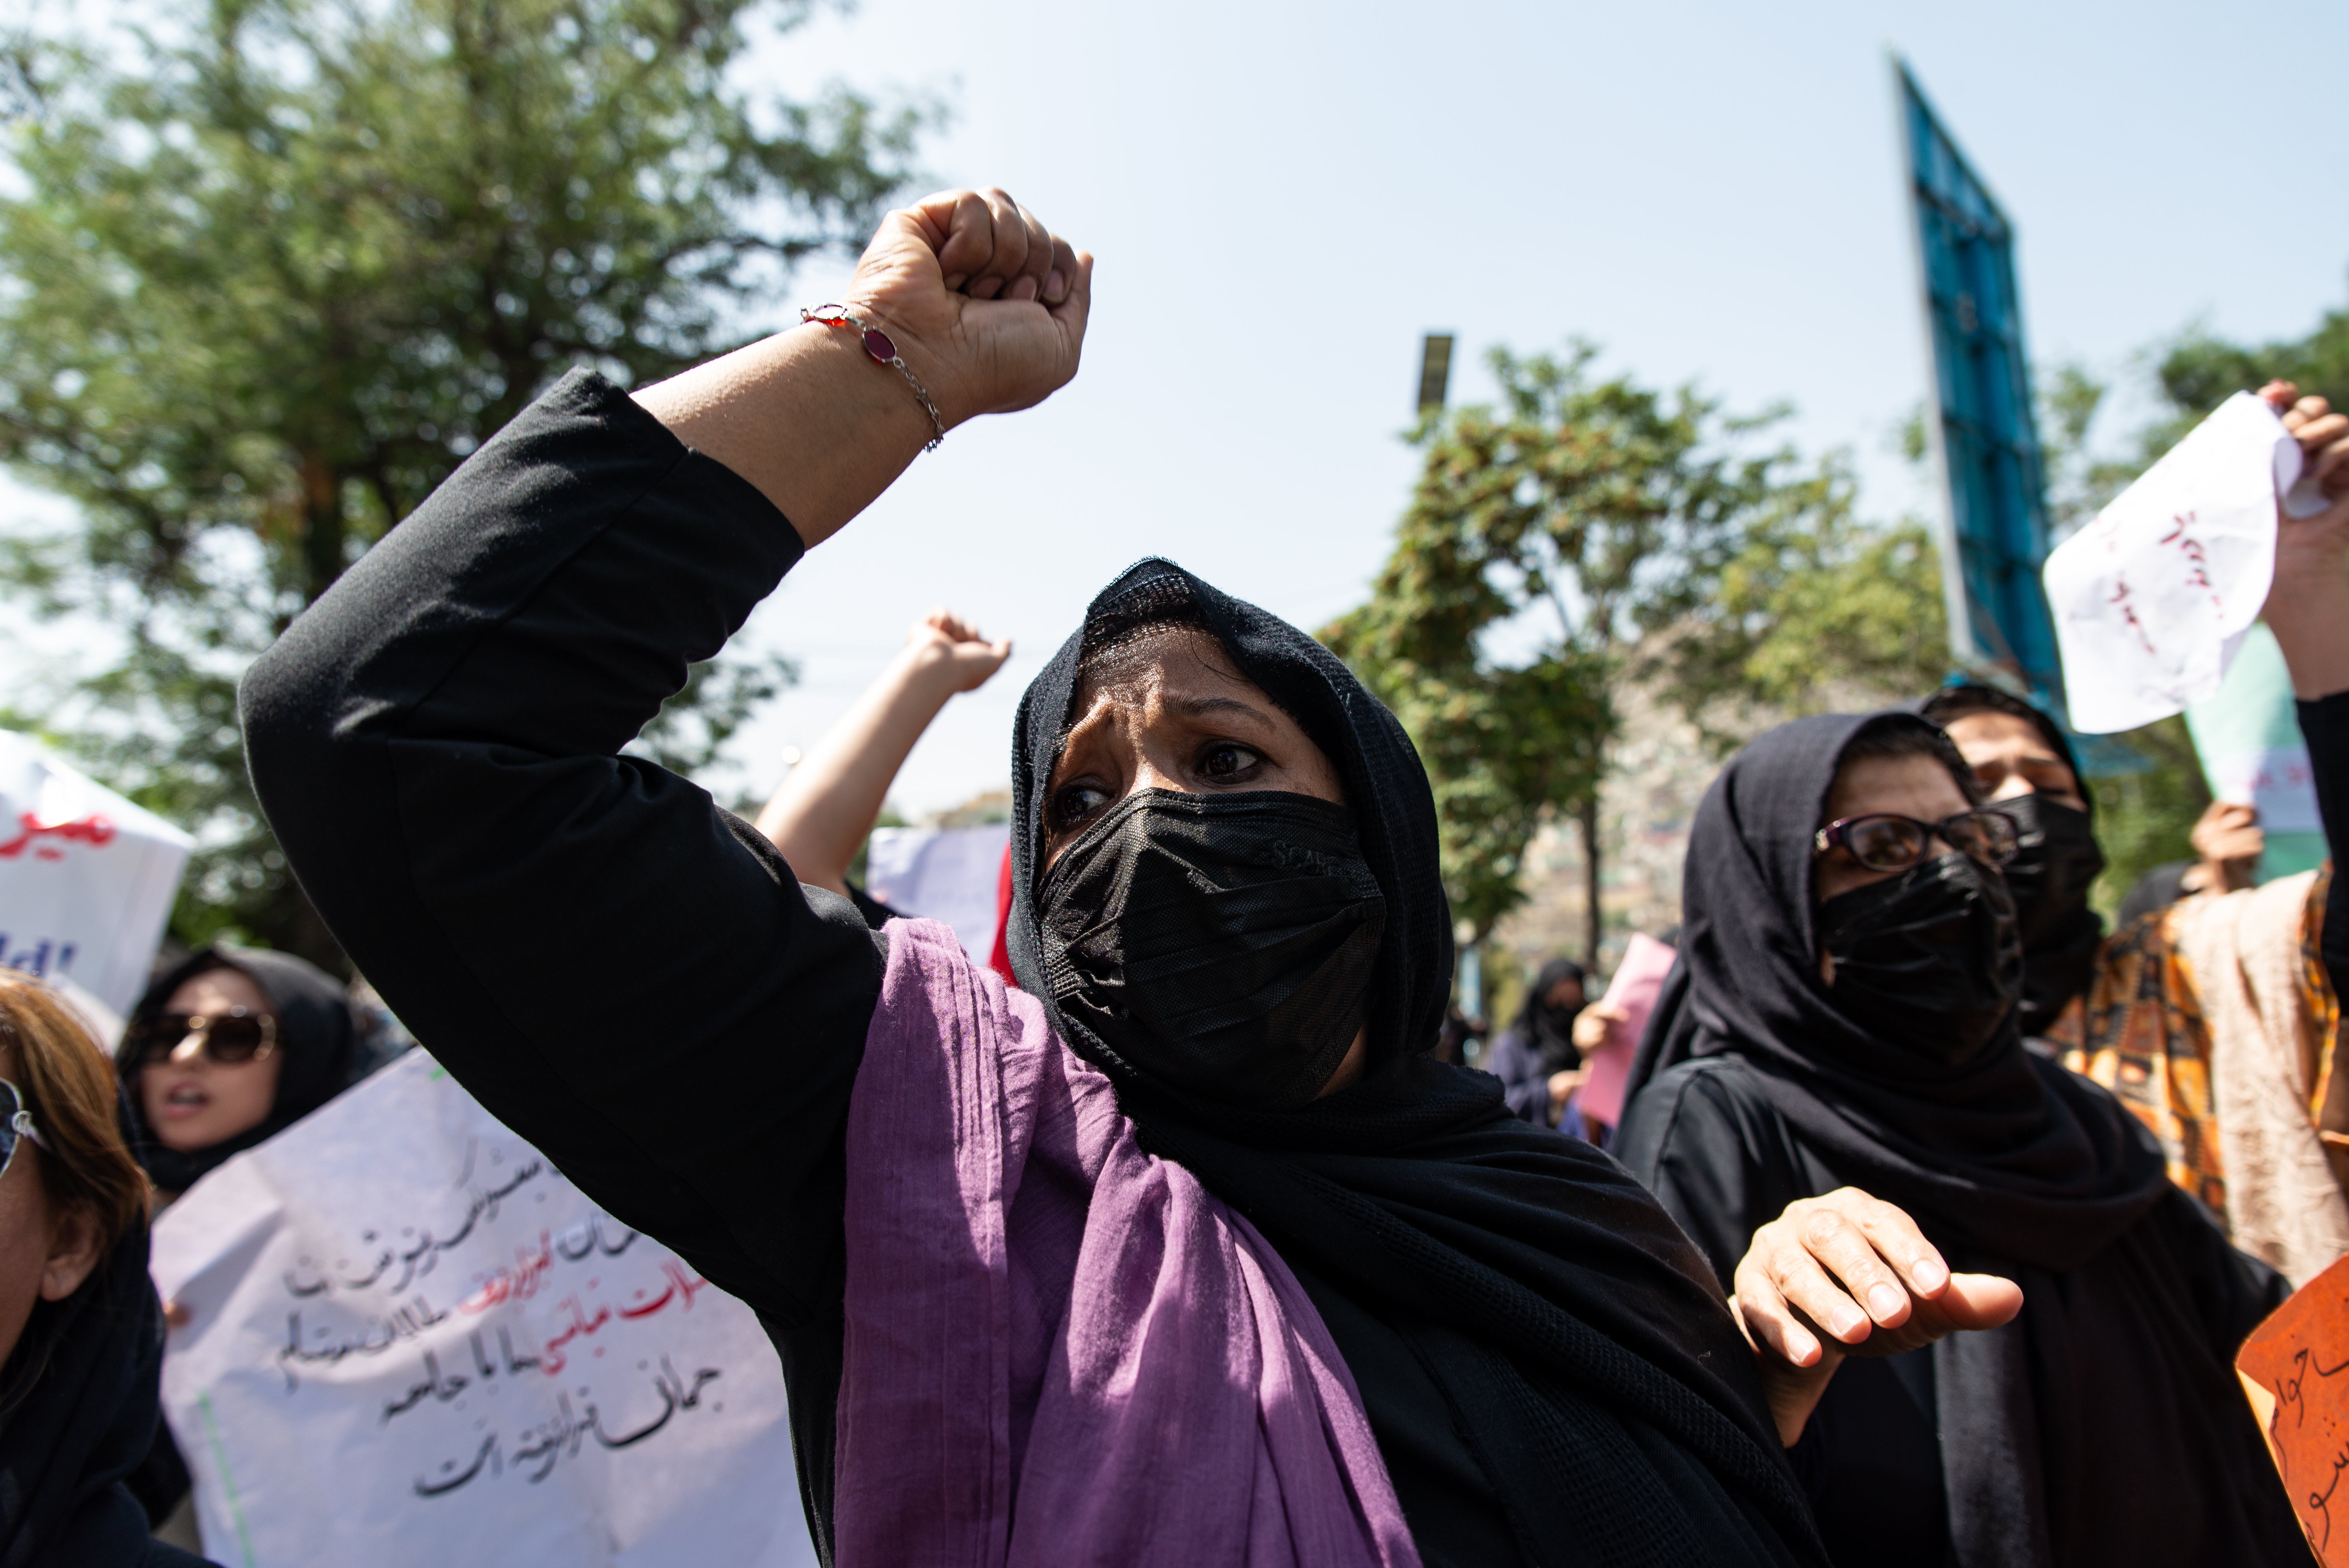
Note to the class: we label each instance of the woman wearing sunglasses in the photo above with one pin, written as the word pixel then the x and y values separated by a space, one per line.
pixel 1838 1107
pixel 229 1048
pixel 81 1336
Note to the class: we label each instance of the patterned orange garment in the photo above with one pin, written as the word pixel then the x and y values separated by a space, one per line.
pixel 2140 1032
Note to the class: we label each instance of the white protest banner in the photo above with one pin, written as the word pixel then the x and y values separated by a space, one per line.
pixel 942 874
pixel 86 879
pixel 411 1341
pixel 2152 599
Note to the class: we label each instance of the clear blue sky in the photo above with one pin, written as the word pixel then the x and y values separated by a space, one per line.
pixel 1283 197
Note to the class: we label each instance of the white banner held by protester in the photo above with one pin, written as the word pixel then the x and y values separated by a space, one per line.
pixel 86 879
pixel 2152 599
pixel 409 1340
pixel 942 874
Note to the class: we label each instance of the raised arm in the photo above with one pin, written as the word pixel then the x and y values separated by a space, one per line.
pixel 627 976
pixel 2308 610
pixel 827 804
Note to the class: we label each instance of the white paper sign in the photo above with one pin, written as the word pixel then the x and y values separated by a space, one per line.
pixel 941 874
pixel 2152 598
pixel 2279 783
pixel 86 879
pixel 412 1341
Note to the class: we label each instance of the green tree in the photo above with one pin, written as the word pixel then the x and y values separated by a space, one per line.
pixel 1594 513
pixel 1814 603
pixel 270 278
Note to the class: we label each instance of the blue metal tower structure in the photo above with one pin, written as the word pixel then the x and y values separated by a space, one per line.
pixel 1994 538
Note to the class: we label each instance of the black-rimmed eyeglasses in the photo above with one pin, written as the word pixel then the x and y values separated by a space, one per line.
pixel 1888 842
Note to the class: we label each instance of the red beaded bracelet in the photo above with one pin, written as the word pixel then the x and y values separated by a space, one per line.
pixel 884 350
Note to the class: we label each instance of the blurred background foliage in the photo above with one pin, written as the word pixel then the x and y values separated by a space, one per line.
pixel 269 271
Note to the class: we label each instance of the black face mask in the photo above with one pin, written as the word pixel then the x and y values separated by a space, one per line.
pixel 1220 943
pixel 1926 960
pixel 2051 873
pixel 2049 876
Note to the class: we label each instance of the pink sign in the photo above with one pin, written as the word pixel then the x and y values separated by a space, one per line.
pixel 1630 997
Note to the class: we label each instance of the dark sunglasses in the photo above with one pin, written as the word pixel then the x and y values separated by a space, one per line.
pixel 15 1123
pixel 232 1039
pixel 1888 841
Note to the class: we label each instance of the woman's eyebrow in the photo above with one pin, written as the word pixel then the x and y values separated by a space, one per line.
pixel 1202 707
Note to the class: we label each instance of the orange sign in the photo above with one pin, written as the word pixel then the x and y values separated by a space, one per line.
pixel 2295 1368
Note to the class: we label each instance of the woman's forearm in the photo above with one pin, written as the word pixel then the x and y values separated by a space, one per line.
pixel 985 306
pixel 806 415
pixel 2308 610
pixel 827 804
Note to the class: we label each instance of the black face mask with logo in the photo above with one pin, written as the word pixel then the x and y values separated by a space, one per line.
pixel 1220 943
pixel 2056 864
pixel 1927 961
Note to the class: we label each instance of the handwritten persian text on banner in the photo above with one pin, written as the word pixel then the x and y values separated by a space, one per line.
pixel 2295 1368
pixel 2152 599
pixel 86 879
pixel 412 1341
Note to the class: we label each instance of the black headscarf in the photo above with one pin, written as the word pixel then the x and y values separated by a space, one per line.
pixel 1547 1029
pixel 1545 1290
pixel 2060 949
pixel 79 1403
pixel 2010 1165
pixel 2018 1157
pixel 317 1053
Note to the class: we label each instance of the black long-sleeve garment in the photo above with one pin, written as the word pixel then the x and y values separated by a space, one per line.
pixel 625 975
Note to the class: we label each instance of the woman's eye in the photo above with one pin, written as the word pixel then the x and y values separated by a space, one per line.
pixel 1073 804
pixel 1225 761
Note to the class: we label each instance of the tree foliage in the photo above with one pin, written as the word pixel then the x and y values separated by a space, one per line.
pixel 1815 603
pixel 1589 513
pixel 266 279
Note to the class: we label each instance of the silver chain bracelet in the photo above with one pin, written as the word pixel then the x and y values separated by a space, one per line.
pixel 883 350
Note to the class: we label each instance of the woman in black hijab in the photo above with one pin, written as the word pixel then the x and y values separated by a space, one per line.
pixel 1530 1054
pixel 1464 1261
pixel 1227 905
pixel 243 1043
pixel 2057 858
pixel 311 1045
pixel 1834 1025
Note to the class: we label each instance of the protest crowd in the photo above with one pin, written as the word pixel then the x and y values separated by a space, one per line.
pixel 1888 1209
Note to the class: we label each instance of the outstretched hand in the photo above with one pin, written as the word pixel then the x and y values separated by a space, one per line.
pixel 1849 1275
pixel 984 302
pixel 958 649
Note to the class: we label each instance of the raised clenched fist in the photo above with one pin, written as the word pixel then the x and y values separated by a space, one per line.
pixel 986 304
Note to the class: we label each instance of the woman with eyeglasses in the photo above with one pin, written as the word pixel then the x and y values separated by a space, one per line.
pixel 81 1335
pixel 1839 1109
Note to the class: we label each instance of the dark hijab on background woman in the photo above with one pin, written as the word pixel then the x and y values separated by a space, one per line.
pixel 1541 1042
pixel 316 1044
pixel 1569 1373
pixel 2057 862
pixel 2105 1424
pixel 316 1050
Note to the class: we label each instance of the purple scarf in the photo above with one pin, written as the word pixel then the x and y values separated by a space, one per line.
pixel 1061 1348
